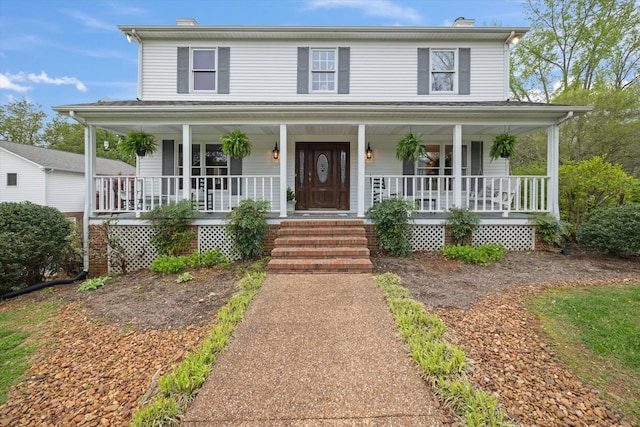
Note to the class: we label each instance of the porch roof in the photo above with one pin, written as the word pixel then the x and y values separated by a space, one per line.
pixel 265 117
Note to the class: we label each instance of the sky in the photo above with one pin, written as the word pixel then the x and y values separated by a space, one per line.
pixel 58 52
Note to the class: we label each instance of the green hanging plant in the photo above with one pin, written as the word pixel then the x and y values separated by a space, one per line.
pixel 138 143
pixel 236 144
pixel 504 145
pixel 410 147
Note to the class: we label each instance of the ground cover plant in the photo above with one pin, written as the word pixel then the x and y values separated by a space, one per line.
pixel 597 332
pixel 482 254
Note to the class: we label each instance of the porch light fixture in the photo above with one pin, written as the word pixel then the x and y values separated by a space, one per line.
pixel 105 144
pixel 276 152
pixel 369 151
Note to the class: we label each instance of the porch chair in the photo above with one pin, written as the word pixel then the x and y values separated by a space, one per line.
pixel 502 193
pixel 378 190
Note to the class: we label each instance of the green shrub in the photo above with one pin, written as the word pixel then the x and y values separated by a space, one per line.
pixel 166 264
pixel 590 185
pixel 616 230
pixel 95 283
pixel 462 222
pixel 248 226
pixel 212 259
pixel 172 227
pixel 34 240
pixel 550 229
pixel 391 218
pixel 480 255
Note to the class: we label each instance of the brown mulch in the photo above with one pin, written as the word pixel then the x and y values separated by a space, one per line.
pixel 106 348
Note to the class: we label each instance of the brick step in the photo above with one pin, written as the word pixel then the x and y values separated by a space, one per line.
pixel 321 223
pixel 320 266
pixel 296 252
pixel 316 241
pixel 321 231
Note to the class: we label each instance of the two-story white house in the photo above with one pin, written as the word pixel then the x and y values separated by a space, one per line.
pixel 324 108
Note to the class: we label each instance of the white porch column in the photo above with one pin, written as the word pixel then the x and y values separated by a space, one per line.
pixel 283 171
pixel 186 161
pixel 457 165
pixel 553 160
pixel 90 189
pixel 361 164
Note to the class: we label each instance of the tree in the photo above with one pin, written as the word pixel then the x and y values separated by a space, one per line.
pixel 583 52
pixel 22 121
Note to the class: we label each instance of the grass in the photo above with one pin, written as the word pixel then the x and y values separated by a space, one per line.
pixel 15 328
pixel 596 332
pixel 442 363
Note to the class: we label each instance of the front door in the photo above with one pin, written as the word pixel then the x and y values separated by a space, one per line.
pixel 322 175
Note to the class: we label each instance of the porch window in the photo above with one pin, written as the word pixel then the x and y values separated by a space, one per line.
pixel 323 70
pixel 12 179
pixel 438 161
pixel 203 68
pixel 443 70
pixel 215 167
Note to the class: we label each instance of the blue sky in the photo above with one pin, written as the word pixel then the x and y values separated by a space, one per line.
pixel 56 52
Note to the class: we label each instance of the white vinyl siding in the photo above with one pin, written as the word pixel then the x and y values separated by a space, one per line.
pixel 30 185
pixel 65 191
pixel 267 71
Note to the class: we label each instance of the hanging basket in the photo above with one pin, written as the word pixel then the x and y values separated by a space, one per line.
pixel 504 145
pixel 236 144
pixel 138 143
pixel 410 147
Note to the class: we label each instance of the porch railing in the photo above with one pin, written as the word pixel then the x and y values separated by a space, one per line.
pixel 435 193
pixel 118 194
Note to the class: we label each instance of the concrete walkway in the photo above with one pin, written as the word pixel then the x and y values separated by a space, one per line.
pixel 315 350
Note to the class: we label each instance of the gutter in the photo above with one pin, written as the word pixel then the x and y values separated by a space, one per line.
pixel 565 118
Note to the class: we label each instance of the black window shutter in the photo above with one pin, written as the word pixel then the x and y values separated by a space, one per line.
pixel 224 66
pixel 235 169
pixel 183 70
pixel 168 163
pixel 408 168
pixel 303 70
pixel 423 71
pixel 344 65
pixel 464 71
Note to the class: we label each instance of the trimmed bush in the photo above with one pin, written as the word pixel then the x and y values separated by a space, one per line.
pixel 248 226
pixel 614 230
pixel 172 227
pixel 462 222
pixel 33 239
pixel 391 218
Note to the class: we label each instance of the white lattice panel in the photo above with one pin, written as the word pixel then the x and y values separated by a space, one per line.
pixel 135 241
pixel 214 236
pixel 427 237
pixel 514 238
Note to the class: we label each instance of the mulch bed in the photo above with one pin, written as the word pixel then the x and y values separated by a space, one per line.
pixel 106 347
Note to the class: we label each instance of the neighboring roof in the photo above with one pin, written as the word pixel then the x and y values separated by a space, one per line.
pixel 64 160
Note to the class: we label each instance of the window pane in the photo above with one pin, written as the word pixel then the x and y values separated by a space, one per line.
pixel 215 156
pixel 443 60
pixel 323 60
pixel 204 80
pixel 323 82
pixel 204 59
pixel 12 179
pixel 442 82
pixel 429 164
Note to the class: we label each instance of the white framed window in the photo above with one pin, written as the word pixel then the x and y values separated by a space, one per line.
pixel 12 179
pixel 323 70
pixel 443 70
pixel 203 69
pixel 215 166
pixel 438 160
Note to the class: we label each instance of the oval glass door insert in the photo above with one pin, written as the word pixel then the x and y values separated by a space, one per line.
pixel 322 168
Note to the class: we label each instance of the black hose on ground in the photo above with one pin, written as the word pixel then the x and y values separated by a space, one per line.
pixel 81 276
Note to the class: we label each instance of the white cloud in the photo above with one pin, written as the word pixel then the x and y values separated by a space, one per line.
pixel 44 78
pixel 90 21
pixel 11 81
pixel 380 8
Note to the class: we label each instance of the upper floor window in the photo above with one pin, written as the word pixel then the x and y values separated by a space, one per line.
pixel 12 179
pixel 323 70
pixel 443 70
pixel 203 67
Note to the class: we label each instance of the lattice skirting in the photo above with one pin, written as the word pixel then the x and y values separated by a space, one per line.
pixel 139 252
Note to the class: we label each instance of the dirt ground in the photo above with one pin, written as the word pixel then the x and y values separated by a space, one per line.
pixel 109 345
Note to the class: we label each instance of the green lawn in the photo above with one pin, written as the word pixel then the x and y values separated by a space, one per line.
pixel 597 332
pixel 15 348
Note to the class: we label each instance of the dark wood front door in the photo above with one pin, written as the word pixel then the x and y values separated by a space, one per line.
pixel 322 175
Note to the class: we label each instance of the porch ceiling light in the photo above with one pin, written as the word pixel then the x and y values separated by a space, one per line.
pixel 369 151
pixel 276 152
